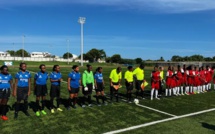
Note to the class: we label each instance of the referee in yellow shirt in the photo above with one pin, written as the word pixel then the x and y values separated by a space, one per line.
pixel 139 79
pixel 115 81
pixel 129 82
pixel 162 81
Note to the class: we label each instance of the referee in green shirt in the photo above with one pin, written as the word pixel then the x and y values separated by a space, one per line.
pixel 88 85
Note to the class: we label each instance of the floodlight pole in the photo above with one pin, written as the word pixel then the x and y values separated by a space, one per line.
pixel 23 44
pixel 82 21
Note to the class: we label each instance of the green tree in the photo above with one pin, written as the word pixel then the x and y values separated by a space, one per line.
pixel 19 53
pixel 208 59
pixel 138 60
pixel 176 58
pixel 65 55
pixel 108 59
pixel 196 58
pixel 116 58
pixel 11 52
pixel 161 59
pixel 95 54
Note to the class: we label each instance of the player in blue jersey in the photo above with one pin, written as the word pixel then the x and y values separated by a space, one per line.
pixel 99 86
pixel 40 88
pixel 22 88
pixel 74 84
pixel 6 84
pixel 56 79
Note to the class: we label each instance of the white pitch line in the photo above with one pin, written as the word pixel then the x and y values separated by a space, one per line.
pixel 156 110
pixel 153 109
pixel 159 121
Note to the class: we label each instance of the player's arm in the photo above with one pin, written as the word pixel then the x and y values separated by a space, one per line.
pixel 11 83
pixel 29 86
pixel 84 80
pixel 68 83
pixel 15 87
pixel 120 78
pixel 95 83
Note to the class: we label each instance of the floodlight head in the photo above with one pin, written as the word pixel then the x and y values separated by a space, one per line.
pixel 81 20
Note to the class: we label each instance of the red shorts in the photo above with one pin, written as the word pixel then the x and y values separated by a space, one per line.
pixel 190 81
pixel 196 82
pixel 168 82
pixel 156 85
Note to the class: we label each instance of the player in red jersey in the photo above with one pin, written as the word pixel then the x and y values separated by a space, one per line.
pixel 202 79
pixel 213 77
pixel 211 73
pixel 186 87
pixel 155 82
pixel 207 76
pixel 179 76
pixel 196 81
pixel 190 79
pixel 169 76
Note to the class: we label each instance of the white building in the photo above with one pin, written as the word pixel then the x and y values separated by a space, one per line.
pixel 4 54
pixel 74 56
pixel 40 54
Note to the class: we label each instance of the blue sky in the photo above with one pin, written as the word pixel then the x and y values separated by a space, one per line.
pixel 133 28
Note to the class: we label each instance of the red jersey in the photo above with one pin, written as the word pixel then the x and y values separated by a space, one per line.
pixel 169 78
pixel 155 75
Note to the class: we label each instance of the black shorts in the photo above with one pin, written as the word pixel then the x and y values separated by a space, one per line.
pixel 22 93
pixel 112 88
pixel 74 90
pixel 90 88
pixel 40 90
pixel 5 93
pixel 138 84
pixel 129 85
pixel 100 87
pixel 55 91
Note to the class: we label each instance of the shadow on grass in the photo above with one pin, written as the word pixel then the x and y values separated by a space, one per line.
pixel 208 126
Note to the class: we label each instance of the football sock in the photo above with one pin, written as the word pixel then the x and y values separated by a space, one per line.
pixel 97 99
pixel 17 107
pixel 156 93
pixel 58 102
pixel 182 90
pixel 4 109
pixel 152 93
pixel 89 99
pixel 166 92
pixel 43 104
pixel 25 105
pixel 170 92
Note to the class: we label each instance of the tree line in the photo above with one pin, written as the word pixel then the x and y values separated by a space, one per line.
pixel 94 55
pixel 192 58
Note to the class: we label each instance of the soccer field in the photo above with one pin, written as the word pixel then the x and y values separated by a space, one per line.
pixel 117 116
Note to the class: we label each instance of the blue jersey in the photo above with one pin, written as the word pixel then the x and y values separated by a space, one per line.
pixel 23 78
pixel 55 76
pixel 98 77
pixel 75 78
pixel 41 78
pixel 5 81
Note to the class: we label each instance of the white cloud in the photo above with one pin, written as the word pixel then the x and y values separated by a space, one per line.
pixel 165 6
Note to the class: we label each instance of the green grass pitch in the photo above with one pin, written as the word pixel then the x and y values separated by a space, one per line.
pixel 114 116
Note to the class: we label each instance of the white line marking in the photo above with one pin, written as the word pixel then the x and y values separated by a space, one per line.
pixel 156 110
pixel 159 121
pixel 152 109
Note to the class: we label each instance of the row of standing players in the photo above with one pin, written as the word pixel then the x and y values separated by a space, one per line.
pixel 182 81
pixel 186 77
